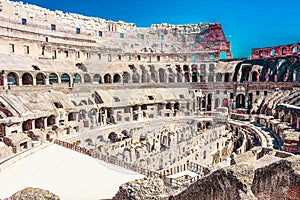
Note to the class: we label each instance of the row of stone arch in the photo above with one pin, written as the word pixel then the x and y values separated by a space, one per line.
pixel 27 78
pixel 285 69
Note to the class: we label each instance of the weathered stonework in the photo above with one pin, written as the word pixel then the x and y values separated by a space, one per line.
pixel 34 194
pixel 163 99
pixel 268 180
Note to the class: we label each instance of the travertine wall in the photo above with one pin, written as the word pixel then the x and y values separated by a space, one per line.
pixel 270 178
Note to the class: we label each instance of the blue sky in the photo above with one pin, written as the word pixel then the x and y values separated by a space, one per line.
pixel 247 24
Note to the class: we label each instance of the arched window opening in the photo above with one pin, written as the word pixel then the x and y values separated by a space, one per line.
pixel 107 78
pixel 211 78
pixel 65 78
pixel 12 79
pixel 117 78
pixel 219 77
pixel 40 79
pixel 53 78
pixel 87 78
pixel 240 101
pixel 217 103
pixel 77 78
pixel 27 79
pixel 227 77
pixel 295 49
pixel 97 78
pixel 223 55
pixel 254 76
pixel 126 77
pixel 51 120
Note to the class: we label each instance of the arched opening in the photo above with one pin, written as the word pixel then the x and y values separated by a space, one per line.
pixel 282 71
pixel 272 52
pixel 194 76
pixel 27 79
pixel 107 78
pixel 77 78
pixel 176 106
pixel 283 50
pixel 113 137
pixel 179 74
pixel 125 134
pixel 227 77
pixel 162 75
pixel 82 103
pixel 254 76
pixel 203 101
pixel 246 69
pixel 219 77
pixel 82 113
pixel 211 68
pixel 154 74
pixel 209 97
pixel 171 77
pixel 211 78
pixel 87 78
pixel 202 67
pixel 135 78
pixel 27 125
pixel 225 102
pixel 202 77
pixel 223 55
pixel 88 141
pixel 295 49
pixel 186 73
pixel 51 120
pixel 39 123
pixel 100 138
pixel 126 77
pixel 53 78
pixel 217 103
pixel 168 106
pixel 65 78
pixel 71 116
pixel 194 73
pixel 12 78
pixel 40 79
pixel 240 101
pixel 135 110
pixel 97 78
pixel 145 76
pixel 117 78
pixel 193 58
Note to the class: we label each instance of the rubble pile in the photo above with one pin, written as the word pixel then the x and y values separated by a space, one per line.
pixel 34 194
pixel 142 189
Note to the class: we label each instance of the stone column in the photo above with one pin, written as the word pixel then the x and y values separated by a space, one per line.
pixel 47 82
pixel 20 81
pixel 33 124
pixel 167 73
pixel 140 114
pixel 5 83
pixel 33 80
pixel 45 122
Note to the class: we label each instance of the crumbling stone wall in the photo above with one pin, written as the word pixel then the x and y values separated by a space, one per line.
pixel 270 178
pixel 147 188
pixel 279 180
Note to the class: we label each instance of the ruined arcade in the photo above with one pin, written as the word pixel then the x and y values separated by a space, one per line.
pixel 168 101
